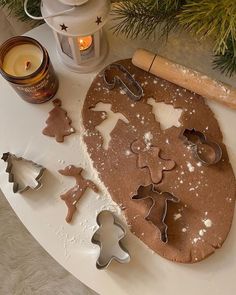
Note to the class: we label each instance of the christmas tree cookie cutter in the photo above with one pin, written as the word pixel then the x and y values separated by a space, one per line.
pixel 35 174
pixel 109 238
pixel 159 204
pixel 188 134
pixel 133 89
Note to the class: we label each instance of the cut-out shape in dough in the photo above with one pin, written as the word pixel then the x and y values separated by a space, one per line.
pixel 72 196
pixel 109 123
pixel 158 210
pixel 165 114
pixel 109 237
pixel 149 157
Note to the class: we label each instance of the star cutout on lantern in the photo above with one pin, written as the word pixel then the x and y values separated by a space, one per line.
pixel 64 27
pixel 99 20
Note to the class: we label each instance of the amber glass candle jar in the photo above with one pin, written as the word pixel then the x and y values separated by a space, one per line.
pixel 26 65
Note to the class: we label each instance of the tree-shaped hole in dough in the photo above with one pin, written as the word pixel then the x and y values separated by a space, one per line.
pixel 165 114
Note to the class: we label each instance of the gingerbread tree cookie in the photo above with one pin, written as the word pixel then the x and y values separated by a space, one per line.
pixel 72 196
pixel 58 123
pixel 158 210
pixel 149 156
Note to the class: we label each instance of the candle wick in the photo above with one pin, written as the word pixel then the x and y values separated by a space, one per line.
pixel 27 65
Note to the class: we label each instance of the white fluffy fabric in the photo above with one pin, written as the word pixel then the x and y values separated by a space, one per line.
pixel 25 267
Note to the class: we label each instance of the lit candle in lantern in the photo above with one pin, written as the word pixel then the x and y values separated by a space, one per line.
pixel 85 42
pixel 22 60
pixel 25 64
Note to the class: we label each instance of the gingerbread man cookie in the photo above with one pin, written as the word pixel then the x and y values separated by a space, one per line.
pixel 149 156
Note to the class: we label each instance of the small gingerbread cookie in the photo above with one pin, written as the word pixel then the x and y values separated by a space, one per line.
pixel 58 123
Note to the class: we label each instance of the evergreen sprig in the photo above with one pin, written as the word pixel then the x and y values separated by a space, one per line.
pixel 226 62
pixel 211 18
pixel 16 8
pixel 141 17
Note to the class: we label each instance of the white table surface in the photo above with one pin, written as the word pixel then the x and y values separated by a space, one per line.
pixel 43 212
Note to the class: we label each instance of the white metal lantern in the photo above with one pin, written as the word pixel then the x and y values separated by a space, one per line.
pixel 77 26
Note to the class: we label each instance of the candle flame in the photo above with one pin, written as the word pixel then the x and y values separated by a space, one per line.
pixel 85 42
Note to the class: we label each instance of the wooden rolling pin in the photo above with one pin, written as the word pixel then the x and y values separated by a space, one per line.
pixel 185 77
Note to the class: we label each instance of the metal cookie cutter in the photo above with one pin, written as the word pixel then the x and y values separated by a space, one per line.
pixel 217 151
pixel 30 170
pixel 135 93
pixel 158 210
pixel 109 237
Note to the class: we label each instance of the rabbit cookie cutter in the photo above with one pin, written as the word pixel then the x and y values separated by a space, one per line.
pixel 131 87
pixel 109 238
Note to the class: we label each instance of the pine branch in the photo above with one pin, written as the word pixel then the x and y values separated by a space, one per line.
pixel 16 8
pixel 226 62
pixel 140 18
pixel 211 18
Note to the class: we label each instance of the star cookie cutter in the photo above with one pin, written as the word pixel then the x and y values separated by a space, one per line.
pixel 160 204
pixel 135 93
pixel 17 186
pixel 217 151
pixel 103 238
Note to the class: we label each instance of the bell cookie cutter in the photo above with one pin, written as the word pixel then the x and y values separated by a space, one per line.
pixel 102 238
pixel 17 187
pixel 117 81
pixel 187 133
pixel 160 204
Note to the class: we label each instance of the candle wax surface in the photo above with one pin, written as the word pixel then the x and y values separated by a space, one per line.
pixel 16 58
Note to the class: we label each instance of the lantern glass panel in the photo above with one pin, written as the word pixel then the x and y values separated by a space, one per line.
pixel 65 45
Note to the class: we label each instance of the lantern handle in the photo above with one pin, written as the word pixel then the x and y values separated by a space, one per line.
pixel 44 17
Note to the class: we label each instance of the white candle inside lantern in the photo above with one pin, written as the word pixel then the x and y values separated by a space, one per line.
pixel 85 42
pixel 22 60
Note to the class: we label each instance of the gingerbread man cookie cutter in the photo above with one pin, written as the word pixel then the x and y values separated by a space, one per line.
pixel 217 151
pixel 160 204
pixel 21 187
pixel 135 93
pixel 110 240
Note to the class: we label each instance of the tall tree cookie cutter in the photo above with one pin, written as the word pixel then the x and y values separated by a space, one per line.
pixel 109 238
pixel 188 135
pixel 158 210
pixel 19 186
pixel 133 89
